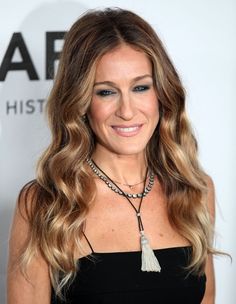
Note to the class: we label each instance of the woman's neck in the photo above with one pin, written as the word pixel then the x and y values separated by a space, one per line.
pixel 127 169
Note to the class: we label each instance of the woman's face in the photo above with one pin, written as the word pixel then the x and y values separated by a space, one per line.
pixel 124 109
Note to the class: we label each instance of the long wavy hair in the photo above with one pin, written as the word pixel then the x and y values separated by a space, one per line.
pixel 59 199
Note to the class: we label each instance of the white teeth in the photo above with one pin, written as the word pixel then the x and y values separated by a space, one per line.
pixel 131 129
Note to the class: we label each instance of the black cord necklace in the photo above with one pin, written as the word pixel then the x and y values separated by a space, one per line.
pixel 149 260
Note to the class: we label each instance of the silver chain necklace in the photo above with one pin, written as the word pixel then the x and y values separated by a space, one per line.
pixel 128 185
pixel 113 187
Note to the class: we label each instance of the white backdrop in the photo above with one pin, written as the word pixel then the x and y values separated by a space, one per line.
pixel 200 37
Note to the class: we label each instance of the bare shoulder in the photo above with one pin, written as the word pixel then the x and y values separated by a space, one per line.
pixel 36 287
pixel 20 229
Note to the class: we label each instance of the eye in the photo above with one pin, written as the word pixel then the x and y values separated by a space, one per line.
pixel 141 88
pixel 104 93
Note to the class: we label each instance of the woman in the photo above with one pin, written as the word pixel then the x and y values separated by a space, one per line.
pixel 121 211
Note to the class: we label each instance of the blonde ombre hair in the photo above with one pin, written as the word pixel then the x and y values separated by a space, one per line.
pixel 58 201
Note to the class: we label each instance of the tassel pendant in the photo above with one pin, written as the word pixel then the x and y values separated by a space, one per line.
pixel 149 260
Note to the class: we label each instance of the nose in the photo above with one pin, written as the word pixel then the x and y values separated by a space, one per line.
pixel 126 108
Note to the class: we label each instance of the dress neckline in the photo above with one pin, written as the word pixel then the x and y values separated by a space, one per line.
pixel 186 247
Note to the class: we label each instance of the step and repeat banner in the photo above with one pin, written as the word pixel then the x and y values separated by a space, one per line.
pixel 200 38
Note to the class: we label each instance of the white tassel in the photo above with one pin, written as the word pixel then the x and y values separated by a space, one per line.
pixel 149 260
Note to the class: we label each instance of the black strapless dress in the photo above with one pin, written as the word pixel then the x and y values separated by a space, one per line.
pixel 112 278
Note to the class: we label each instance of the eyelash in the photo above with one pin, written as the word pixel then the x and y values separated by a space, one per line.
pixel 140 88
pixel 104 93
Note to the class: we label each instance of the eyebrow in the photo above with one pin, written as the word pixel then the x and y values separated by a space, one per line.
pixel 113 84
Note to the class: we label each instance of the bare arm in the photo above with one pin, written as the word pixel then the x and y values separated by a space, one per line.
pixel 19 290
pixel 209 297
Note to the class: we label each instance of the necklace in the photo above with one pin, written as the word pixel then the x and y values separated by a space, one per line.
pixel 148 259
pixel 128 185
pixel 111 184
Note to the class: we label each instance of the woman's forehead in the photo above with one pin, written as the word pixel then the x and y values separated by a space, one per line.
pixel 125 62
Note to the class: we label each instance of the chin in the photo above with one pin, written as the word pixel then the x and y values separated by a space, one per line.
pixel 131 150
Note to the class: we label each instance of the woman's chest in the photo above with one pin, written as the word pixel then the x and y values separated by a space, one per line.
pixel 112 223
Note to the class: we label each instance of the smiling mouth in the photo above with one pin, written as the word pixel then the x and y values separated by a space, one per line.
pixel 127 131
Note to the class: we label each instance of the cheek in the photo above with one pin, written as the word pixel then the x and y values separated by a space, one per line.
pixel 98 113
pixel 152 109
